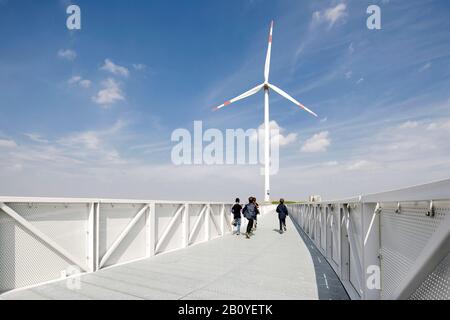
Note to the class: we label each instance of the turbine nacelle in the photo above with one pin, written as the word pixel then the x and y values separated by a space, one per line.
pixel 266 85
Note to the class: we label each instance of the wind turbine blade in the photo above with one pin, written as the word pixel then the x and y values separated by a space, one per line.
pixel 242 96
pixel 269 53
pixel 285 95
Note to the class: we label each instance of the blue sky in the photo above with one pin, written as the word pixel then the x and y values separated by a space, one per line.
pixel 90 112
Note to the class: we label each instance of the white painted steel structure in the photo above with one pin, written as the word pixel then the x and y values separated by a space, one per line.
pixel 43 239
pixel 405 234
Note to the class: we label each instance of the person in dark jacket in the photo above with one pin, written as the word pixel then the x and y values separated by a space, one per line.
pixel 282 214
pixel 236 210
pixel 255 223
pixel 250 211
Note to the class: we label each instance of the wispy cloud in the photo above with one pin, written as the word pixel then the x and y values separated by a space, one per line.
pixel 110 94
pixel 409 125
pixel 443 125
pixel 331 15
pixel 36 137
pixel 139 66
pixel 74 79
pixel 88 139
pixel 351 48
pixel 425 67
pixel 84 83
pixel 7 143
pixel 116 69
pixel 317 143
pixel 67 54
pixel 362 165
pixel 283 138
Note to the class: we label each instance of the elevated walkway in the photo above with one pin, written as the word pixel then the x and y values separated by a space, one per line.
pixel 268 266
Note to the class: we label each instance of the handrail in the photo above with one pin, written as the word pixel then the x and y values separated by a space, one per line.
pixel 6 199
pixel 52 237
pixel 403 233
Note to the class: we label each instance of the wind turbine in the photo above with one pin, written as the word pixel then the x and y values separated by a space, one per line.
pixel 266 86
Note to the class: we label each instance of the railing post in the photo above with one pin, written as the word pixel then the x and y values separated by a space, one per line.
pixel 222 220
pixel 91 236
pixel 151 229
pixel 207 222
pixel 97 235
pixel 186 226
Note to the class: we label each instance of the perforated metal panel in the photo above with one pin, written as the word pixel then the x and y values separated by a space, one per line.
pixel 25 259
pixel 323 228
pixel 335 233
pixel 199 234
pixel 355 236
pixel 228 218
pixel 403 237
pixel 399 232
pixel 214 226
pixel 114 218
pixel 165 213
pixel 437 284
pixel 43 241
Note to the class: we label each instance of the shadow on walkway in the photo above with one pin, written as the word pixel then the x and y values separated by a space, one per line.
pixel 328 284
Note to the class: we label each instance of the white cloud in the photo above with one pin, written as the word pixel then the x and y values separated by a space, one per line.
pixel 361 80
pixel 36 137
pixel 409 125
pixel 89 139
pixel 348 74
pixel 139 66
pixel 84 83
pixel 362 165
pixel 7 143
pixel 115 69
pixel 441 125
pixel 111 93
pixel 432 126
pixel 92 146
pixel 74 79
pixel 331 15
pixel 71 156
pixel 351 48
pixel 67 54
pixel 425 67
pixel 286 140
pixel 283 140
pixel 317 143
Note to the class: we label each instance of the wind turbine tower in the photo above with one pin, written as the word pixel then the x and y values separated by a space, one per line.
pixel 267 87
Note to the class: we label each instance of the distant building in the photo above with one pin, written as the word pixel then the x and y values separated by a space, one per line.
pixel 315 198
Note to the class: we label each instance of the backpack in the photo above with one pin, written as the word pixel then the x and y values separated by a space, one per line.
pixel 250 211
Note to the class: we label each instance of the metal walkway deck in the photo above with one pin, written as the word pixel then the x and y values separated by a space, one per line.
pixel 268 266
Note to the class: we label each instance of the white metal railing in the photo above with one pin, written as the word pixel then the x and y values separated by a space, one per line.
pixel 43 239
pixel 390 245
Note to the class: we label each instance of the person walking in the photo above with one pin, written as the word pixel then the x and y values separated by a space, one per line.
pixel 255 223
pixel 282 214
pixel 236 210
pixel 250 211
